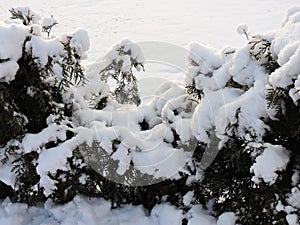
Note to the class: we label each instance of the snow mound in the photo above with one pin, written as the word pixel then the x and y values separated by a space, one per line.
pixel 82 210
pixel 148 150
pixel 286 47
pixel 227 218
pixel 12 38
pixel 274 158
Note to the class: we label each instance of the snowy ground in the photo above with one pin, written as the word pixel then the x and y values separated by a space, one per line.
pixel 97 211
pixel 211 22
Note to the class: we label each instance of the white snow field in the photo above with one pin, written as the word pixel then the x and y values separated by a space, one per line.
pixel 211 22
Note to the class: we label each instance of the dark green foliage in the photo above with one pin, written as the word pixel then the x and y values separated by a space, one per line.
pixel 95 185
pixel 15 99
pixel 27 180
pixel 126 90
pixel 194 92
pixel 41 103
pixel 26 19
pixel 260 51
pixel 102 162
pixel 11 124
pixel 144 125
pixel 234 84
pixel 71 68
pixel 25 104
pixel 6 191
pixel 191 89
pixel 72 71
pixel 286 128
pixel 228 182
pixel 35 100
pixel 101 103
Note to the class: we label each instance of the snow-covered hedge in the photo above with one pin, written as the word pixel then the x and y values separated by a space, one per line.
pixel 65 131
pixel 249 98
pixel 36 70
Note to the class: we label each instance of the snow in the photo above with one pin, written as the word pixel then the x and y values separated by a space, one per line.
pixel 211 22
pixel 227 218
pixel 93 211
pixel 188 198
pixel 32 142
pixel 286 47
pixel 295 178
pixel 274 158
pixel 8 70
pixel 199 216
pixel 48 21
pixel 242 29
pixel 43 49
pixel 36 30
pixel 150 151
pixel 80 41
pixel 124 52
pixel 27 12
pixel 49 161
pixel 220 105
pixel 294 198
pixel 6 175
pixel 292 219
pixel 291 11
pixel 295 92
pixel 12 37
pixel 58 71
pixel 167 214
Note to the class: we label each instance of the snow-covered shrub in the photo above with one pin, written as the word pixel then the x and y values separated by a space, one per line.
pixel 244 102
pixel 49 127
pixel 139 139
pixel 248 98
pixel 35 71
pixel 119 62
